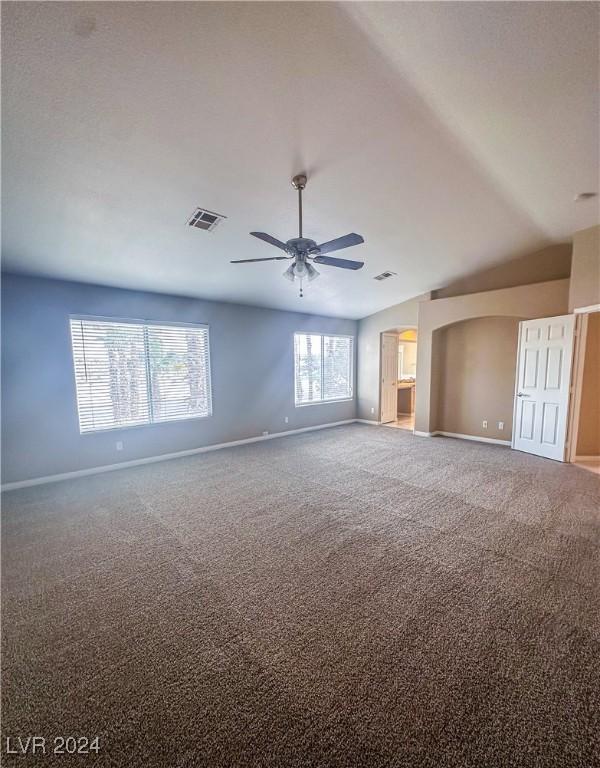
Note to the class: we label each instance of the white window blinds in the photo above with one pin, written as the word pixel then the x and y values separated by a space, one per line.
pixel 323 368
pixel 128 373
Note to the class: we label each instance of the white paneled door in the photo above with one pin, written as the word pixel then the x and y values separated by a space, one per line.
pixel 389 377
pixel 542 386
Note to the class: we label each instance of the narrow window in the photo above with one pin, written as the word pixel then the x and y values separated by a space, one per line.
pixel 323 366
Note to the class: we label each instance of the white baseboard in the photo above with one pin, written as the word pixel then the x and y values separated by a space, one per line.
pixel 162 457
pixel 372 422
pixel 587 458
pixel 476 438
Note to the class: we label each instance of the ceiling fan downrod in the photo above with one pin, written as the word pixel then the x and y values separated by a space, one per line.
pixel 299 182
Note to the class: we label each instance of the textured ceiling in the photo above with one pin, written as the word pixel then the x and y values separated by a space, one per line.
pixel 449 135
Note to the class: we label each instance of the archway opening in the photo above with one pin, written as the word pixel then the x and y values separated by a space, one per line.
pixel 473 377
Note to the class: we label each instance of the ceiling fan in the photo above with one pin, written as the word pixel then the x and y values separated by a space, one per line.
pixel 302 250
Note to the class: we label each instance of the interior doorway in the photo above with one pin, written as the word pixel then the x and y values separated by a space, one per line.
pixel 584 439
pixel 398 378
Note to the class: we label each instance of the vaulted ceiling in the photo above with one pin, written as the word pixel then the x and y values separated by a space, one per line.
pixel 450 135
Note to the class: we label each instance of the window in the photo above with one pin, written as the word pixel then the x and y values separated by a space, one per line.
pixel 129 373
pixel 323 368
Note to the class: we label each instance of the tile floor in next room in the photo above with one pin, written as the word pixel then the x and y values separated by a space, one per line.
pixel 403 421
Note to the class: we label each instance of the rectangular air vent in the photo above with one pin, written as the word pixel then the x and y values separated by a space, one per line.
pixel 203 219
pixel 384 275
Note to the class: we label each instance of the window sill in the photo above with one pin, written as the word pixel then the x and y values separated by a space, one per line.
pixel 325 402
pixel 121 427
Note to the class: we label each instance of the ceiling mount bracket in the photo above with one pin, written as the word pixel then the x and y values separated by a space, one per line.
pixel 299 181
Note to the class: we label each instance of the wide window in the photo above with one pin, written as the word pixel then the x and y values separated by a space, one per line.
pixel 323 368
pixel 129 373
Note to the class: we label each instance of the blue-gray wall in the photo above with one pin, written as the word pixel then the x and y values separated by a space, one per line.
pixel 252 366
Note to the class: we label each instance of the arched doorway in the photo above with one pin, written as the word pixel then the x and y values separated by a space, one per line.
pixel 473 377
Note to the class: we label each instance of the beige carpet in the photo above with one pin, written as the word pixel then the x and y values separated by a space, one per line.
pixel 351 597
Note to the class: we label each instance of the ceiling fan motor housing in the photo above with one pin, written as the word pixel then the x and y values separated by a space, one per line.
pixel 302 246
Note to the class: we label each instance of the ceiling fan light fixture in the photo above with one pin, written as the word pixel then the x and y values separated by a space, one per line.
pixel 312 272
pixel 300 269
pixel 289 273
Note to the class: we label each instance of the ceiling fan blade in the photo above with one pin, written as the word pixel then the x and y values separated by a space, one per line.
pixel 270 258
pixel 331 261
pixel 268 239
pixel 341 242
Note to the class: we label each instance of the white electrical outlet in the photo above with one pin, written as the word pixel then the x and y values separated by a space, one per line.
pixel 119 445
pixel 287 421
pixel 372 410
pixel 500 425
pixel 265 433
pixel 485 423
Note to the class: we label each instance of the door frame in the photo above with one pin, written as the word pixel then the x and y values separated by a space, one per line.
pixel 397 330
pixel 514 415
pixel 576 388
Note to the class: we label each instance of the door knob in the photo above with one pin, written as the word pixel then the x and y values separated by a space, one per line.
pixel 523 394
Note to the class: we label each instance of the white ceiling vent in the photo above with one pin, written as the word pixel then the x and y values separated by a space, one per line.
pixel 203 219
pixel 384 275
